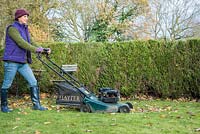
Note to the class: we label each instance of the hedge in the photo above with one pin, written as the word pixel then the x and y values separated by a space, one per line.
pixel 163 69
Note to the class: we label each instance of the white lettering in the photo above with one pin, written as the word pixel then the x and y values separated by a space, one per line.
pixel 69 98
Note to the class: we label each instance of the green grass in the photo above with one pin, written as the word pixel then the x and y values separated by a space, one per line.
pixel 147 117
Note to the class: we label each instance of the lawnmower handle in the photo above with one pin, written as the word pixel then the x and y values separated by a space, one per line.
pixel 45 51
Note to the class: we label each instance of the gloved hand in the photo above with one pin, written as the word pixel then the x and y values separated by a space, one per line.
pixel 43 50
pixel 39 50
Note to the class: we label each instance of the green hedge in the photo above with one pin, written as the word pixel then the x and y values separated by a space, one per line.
pixel 158 68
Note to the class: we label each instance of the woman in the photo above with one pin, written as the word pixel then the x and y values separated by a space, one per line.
pixel 17 57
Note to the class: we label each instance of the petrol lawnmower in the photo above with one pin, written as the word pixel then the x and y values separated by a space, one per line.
pixel 70 92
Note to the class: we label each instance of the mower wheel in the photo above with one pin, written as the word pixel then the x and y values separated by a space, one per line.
pixel 130 105
pixel 85 108
pixel 124 109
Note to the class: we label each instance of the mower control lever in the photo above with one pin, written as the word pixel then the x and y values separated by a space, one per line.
pixel 46 50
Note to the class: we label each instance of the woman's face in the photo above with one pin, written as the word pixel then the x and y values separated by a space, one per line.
pixel 23 19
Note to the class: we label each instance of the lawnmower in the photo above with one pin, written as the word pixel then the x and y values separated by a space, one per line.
pixel 70 92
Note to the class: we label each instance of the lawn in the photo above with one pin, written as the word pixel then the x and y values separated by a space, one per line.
pixel 147 117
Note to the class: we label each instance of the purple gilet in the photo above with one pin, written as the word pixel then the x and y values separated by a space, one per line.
pixel 12 51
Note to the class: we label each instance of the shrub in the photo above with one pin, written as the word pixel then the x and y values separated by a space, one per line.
pixel 158 68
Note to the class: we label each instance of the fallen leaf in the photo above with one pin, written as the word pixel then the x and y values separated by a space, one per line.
pixel 113 119
pixel 25 113
pixel 46 123
pixel 88 130
pixel 197 130
pixel 26 97
pixel 163 116
pixel 53 106
pixel 14 105
pixel 44 95
pixel 149 124
pixel 15 127
pixel 37 132
pixel 169 108
pixel 17 119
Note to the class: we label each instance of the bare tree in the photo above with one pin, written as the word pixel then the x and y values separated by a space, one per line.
pixel 73 20
pixel 174 19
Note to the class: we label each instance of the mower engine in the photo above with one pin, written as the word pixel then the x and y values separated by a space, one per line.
pixel 108 95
